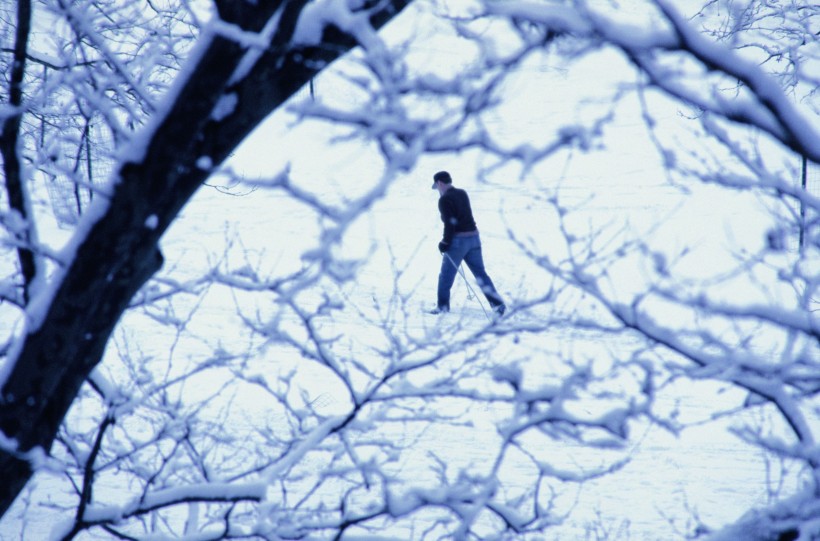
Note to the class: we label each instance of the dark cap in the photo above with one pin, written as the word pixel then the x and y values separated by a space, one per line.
pixel 442 176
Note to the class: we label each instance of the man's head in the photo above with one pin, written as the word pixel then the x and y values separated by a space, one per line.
pixel 443 177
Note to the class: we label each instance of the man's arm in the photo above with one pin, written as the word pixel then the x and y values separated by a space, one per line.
pixel 448 217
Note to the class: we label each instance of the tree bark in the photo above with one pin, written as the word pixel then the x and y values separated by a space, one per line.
pixel 120 251
pixel 9 141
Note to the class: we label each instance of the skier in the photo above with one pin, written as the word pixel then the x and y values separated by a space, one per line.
pixel 460 242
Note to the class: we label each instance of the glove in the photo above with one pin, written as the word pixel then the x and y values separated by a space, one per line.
pixel 443 246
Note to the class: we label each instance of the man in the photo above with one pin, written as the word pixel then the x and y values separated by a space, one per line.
pixel 460 242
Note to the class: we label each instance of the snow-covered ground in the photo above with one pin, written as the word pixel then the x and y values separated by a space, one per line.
pixel 706 470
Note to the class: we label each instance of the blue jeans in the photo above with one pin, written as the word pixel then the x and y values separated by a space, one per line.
pixel 467 249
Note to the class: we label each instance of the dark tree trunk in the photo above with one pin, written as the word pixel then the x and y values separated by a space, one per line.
pixel 9 141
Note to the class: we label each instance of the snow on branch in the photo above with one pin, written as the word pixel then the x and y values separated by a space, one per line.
pixel 204 492
pixel 344 15
pixel 765 106
pixel 792 127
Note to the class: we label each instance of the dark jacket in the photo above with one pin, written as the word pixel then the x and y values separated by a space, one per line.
pixel 454 206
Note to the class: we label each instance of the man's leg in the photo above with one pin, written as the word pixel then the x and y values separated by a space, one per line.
pixel 475 261
pixel 450 260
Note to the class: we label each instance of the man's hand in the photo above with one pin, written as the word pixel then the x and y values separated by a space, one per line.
pixel 443 246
